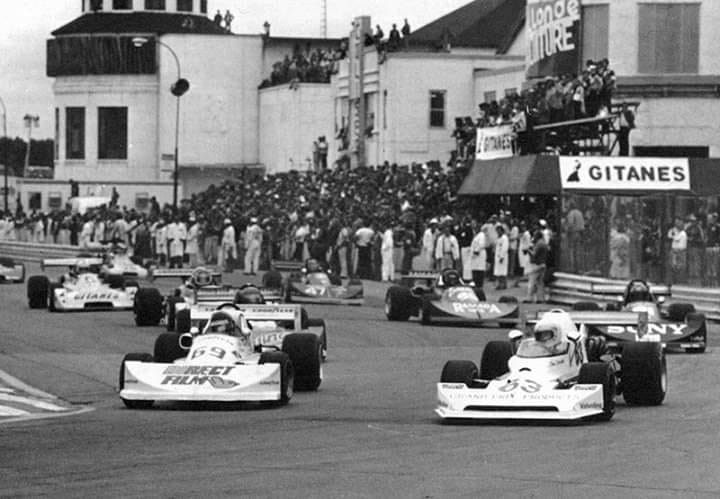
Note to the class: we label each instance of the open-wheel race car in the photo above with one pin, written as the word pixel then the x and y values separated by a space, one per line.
pixel 553 371
pixel 229 360
pixel 312 283
pixel 445 297
pixel 81 288
pixel 678 326
pixel 11 271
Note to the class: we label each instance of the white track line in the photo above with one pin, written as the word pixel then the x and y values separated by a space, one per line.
pixel 11 411
pixel 39 404
pixel 23 387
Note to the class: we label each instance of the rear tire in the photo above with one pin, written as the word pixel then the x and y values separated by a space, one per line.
pixel 170 311
pixel 134 404
pixel 644 373
pixel 147 307
pixel 182 321
pixel 494 361
pixel 398 303
pixel 287 374
pixel 305 353
pixel 599 373
pixel 37 291
pixel 167 348
pixel 459 371
pixel 678 311
pixel 580 306
pixel 323 335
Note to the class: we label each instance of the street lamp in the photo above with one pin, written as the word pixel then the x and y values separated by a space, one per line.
pixel 177 89
pixel 5 154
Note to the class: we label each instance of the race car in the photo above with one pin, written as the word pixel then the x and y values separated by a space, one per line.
pixel 679 327
pixel 446 297
pixel 11 271
pixel 313 283
pixel 117 262
pixel 228 361
pixel 80 288
pixel 553 371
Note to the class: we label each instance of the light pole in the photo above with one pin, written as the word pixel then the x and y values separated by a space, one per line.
pixel 177 89
pixel 5 154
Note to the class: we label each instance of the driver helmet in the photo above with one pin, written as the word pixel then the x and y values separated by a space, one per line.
pixel 638 291
pixel 221 323
pixel 551 331
pixel 312 265
pixel 200 277
pixel 451 278
pixel 249 295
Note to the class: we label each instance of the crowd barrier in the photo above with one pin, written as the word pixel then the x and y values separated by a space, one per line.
pixel 568 289
pixel 35 252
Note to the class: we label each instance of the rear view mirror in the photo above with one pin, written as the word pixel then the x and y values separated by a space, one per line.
pixel 186 341
pixel 515 334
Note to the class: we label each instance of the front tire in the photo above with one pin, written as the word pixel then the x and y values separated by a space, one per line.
pixel 170 312
pixel 305 353
pixel 459 371
pixel 494 361
pixel 599 373
pixel 147 307
pixel 287 374
pixel 644 373
pixel 167 348
pixel 323 335
pixel 182 321
pixel 134 404
pixel 398 304
pixel 37 291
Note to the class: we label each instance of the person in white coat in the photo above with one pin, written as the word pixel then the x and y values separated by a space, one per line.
pixel 524 246
pixel 478 256
pixel 502 247
pixel 227 253
pixel 176 236
pixel 387 249
pixel 161 249
pixel 428 245
pixel 447 249
pixel 253 245
pixel 191 243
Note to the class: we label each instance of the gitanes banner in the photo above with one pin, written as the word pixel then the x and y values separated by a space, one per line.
pixel 553 31
pixel 494 142
pixel 624 173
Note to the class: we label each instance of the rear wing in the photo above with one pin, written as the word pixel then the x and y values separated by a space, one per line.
pixel 618 290
pixel 287 265
pixel 180 273
pixel 271 295
pixel 284 312
pixel 426 277
pixel 591 318
pixel 223 294
pixel 70 262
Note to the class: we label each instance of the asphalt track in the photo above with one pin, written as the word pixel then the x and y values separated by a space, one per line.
pixel 370 430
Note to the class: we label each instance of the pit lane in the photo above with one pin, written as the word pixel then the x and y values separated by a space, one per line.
pixel 369 431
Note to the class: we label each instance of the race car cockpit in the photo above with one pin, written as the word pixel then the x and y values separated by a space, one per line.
pixel 550 336
pixel 312 266
pixel 637 291
pixel 199 278
pixel 222 323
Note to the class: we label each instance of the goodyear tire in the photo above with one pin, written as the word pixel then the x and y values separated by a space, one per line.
pixel 182 321
pixel 644 373
pixel 287 374
pixel 494 361
pixel 134 404
pixel 305 352
pixel 320 323
pixel 147 307
pixel 170 311
pixel 509 323
pixel 678 311
pixel 459 371
pixel 695 319
pixel 398 304
pixel 585 306
pixel 167 348
pixel 37 291
pixel 600 373
pixel 115 281
pixel 51 296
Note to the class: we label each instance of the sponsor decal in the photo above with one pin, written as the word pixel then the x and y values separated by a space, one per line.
pixel 553 30
pixel 627 173
pixel 462 294
pixel 495 142
pixel 479 308
pixel 582 387
pixel 652 329
pixel 453 386
pixel 590 405
pixel 217 382
pixel 526 385
pixel 199 370
pixel 272 338
pixel 97 296
pixel 270 382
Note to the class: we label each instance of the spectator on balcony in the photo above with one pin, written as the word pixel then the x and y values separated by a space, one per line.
pixel 394 38
pixel 626 123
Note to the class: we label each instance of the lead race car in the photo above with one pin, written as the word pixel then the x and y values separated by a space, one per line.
pixel 81 288
pixel 229 361
pixel 11 271
pixel 555 371
pixel 679 328
pixel 312 283
pixel 446 297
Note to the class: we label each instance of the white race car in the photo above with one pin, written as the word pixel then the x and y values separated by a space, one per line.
pixel 229 361
pixel 80 288
pixel 555 373
pixel 11 271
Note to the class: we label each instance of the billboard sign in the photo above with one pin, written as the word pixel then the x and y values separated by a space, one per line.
pixel 553 31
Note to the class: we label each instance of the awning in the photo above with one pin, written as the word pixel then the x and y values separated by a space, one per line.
pixel 533 174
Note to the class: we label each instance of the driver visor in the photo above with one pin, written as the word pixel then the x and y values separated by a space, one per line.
pixel 544 335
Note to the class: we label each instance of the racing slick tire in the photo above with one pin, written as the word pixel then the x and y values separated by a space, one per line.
pixel 697 319
pixel 167 348
pixel 586 306
pixel 516 314
pixel 644 373
pixel 600 373
pixel 678 311
pixel 115 281
pixel 305 352
pixel 37 291
pixel 134 404
pixel 495 357
pixel 323 335
pixel 398 303
pixel 459 371
pixel 147 307
pixel 182 321
pixel 170 311
pixel 287 374
pixel 51 296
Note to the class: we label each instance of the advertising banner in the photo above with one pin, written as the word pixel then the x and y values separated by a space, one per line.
pixel 624 173
pixel 494 142
pixel 553 31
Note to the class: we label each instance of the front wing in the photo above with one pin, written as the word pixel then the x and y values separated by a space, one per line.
pixel 458 401
pixel 183 382
pixel 443 309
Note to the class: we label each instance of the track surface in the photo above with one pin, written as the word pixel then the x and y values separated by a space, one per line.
pixel 370 430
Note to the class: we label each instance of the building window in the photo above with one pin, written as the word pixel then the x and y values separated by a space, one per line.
pixel 96 5
pixel 75 133
pixel 112 133
pixel 595 22
pixel 142 201
pixel 185 5
pixel 122 4
pixel 154 4
pixel 203 6
pixel 489 96
pixel 437 108
pixel 54 200
pixel 669 38
pixel 35 200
